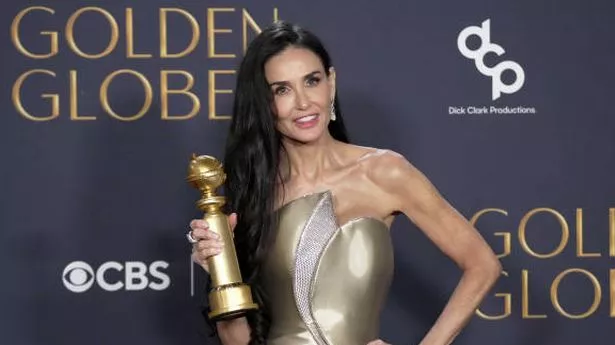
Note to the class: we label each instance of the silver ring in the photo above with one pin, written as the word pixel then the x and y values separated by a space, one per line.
pixel 190 238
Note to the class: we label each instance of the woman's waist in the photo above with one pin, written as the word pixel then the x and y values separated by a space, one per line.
pixel 324 325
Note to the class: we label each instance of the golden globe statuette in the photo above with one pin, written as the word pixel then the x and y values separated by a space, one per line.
pixel 229 296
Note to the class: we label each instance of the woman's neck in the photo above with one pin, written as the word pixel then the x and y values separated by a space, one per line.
pixel 308 162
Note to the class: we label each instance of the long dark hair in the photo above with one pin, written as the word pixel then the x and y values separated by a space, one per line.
pixel 252 157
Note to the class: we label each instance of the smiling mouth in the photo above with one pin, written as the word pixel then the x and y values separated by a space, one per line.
pixel 307 118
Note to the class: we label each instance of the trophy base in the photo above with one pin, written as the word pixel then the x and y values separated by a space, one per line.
pixel 230 301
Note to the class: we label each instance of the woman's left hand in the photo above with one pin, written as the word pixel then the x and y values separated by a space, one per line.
pixel 378 342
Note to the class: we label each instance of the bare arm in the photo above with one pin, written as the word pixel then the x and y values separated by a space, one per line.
pixel 234 332
pixel 412 193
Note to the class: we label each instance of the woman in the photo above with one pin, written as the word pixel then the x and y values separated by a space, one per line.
pixel 313 210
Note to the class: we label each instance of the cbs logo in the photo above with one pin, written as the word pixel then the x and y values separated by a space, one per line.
pixel 478 55
pixel 78 276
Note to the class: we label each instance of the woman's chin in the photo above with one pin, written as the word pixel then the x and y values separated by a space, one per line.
pixel 306 137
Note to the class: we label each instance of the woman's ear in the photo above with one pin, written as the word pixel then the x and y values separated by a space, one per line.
pixel 331 79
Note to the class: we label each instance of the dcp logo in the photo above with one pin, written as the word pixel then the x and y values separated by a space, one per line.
pixel 478 55
pixel 78 276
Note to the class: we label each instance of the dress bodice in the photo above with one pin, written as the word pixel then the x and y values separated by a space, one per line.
pixel 326 283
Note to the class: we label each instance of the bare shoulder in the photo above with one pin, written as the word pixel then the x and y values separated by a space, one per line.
pixel 384 166
pixel 399 181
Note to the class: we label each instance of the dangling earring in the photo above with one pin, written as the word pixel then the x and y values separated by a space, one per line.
pixel 332 115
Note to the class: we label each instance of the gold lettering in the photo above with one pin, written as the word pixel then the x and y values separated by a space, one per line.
pixel 507 306
pixel 213 92
pixel 555 299
pixel 525 298
pixel 104 99
pixel 580 253
pixel 53 35
pixel 505 313
pixel 16 96
pixel 564 229
pixel 70 35
pixel 130 38
pixel 164 95
pixel 506 235
pixel 194 25
pixel 74 88
pixel 211 31
pixel 247 20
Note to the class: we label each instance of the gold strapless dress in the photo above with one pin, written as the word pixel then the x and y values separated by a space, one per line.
pixel 326 283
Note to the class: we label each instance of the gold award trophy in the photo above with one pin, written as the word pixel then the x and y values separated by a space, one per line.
pixel 229 296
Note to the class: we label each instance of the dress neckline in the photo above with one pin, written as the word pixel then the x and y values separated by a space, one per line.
pixel 328 193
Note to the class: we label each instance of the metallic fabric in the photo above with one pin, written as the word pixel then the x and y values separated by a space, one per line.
pixel 326 284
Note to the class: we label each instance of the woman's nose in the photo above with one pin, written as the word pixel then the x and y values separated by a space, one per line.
pixel 301 100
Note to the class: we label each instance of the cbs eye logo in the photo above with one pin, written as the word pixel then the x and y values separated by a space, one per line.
pixel 79 276
pixel 478 55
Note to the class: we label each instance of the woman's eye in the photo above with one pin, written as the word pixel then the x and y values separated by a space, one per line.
pixel 313 81
pixel 281 90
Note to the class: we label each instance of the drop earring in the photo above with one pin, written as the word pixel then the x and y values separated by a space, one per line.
pixel 332 115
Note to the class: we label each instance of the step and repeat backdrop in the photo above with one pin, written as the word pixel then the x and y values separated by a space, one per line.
pixel 507 106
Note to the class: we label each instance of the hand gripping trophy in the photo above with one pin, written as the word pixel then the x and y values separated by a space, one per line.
pixel 229 296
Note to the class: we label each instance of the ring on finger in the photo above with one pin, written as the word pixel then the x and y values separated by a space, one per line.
pixel 191 239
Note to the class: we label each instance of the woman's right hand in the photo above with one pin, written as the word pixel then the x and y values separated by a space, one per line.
pixel 208 242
